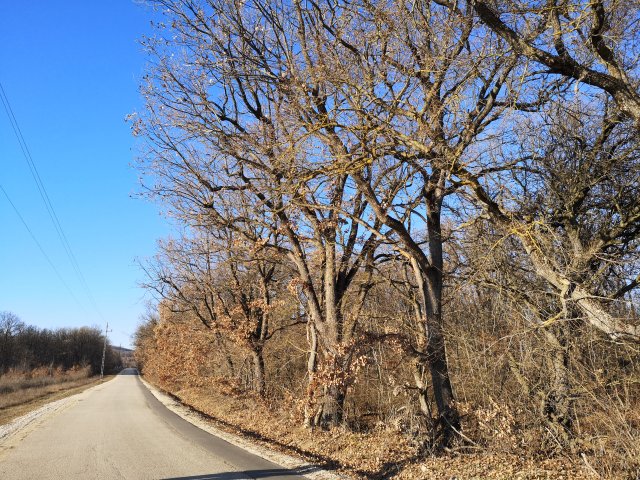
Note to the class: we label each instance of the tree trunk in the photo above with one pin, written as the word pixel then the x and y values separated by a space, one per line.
pixel 448 417
pixel 419 369
pixel 557 407
pixel 310 413
pixel 325 411
pixel 332 406
pixel 258 371
pixel 332 335
pixel 431 282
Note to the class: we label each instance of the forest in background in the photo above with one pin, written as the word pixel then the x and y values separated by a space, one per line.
pixel 26 348
pixel 415 220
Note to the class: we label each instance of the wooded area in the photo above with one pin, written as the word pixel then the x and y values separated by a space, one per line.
pixel 24 348
pixel 419 215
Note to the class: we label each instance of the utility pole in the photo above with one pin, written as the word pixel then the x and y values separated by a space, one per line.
pixel 104 350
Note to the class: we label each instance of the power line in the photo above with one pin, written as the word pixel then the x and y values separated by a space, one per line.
pixel 45 199
pixel 44 253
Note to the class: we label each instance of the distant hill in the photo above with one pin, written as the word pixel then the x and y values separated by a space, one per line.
pixel 126 356
pixel 121 349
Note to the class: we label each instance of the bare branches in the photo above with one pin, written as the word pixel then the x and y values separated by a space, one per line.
pixel 339 154
pixel 615 82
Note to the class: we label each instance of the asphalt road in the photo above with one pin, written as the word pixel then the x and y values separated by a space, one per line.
pixel 119 430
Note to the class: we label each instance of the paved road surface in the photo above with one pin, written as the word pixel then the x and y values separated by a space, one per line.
pixel 120 431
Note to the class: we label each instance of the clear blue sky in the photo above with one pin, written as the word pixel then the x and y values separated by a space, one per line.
pixel 71 71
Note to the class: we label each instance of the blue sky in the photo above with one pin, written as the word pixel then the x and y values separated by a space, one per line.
pixel 71 71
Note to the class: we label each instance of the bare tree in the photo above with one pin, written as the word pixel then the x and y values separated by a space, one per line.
pixel 10 325
pixel 592 42
pixel 588 169
pixel 228 292
pixel 228 154
pixel 401 95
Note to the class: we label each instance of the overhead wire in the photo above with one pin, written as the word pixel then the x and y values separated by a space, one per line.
pixel 46 200
pixel 40 247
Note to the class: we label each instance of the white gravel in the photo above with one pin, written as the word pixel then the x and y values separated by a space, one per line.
pixel 30 420
pixel 24 421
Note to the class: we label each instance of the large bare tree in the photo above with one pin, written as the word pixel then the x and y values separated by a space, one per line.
pixel 402 95
pixel 227 153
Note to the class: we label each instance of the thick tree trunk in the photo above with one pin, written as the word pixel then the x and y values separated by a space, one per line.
pixel 310 412
pixel 332 332
pixel 557 408
pixel 419 369
pixel 324 409
pixel 325 329
pixel 448 417
pixel 332 407
pixel 258 371
pixel 431 282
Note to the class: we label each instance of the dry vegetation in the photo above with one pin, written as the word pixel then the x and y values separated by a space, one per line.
pixel 40 365
pixel 382 452
pixel 13 381
pixel 21 392
pixel 410 230
pixel 507 434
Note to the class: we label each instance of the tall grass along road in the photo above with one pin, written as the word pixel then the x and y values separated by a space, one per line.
pixel 120 431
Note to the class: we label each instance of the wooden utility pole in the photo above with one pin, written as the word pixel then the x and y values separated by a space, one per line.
pixel 104 350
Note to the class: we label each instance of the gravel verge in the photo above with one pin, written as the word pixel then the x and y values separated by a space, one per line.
pixel 20 423
pixel 29 420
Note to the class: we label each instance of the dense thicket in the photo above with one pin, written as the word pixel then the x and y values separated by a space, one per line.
pixel 423 214
pixel 25 347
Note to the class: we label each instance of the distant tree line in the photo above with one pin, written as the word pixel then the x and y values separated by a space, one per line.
pixel 25 347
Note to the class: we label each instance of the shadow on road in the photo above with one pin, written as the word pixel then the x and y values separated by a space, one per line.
pixel 129 371
pixel 250 474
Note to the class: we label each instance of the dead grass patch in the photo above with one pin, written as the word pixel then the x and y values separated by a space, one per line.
pixel 380 453
pixel 38 391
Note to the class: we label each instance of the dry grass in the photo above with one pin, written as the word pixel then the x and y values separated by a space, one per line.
pixel 22 392
pixel 15 380
pixel 379 453
pixel 503 373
